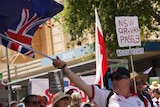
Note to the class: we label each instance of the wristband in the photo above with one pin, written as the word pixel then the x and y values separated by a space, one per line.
pixel 63 66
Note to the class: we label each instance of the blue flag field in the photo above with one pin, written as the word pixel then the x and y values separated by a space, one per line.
pixel 19 19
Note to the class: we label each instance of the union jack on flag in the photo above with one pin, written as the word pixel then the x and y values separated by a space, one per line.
pixel 19 19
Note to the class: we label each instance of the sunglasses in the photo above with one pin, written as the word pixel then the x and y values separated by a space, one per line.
pixel 140 82
pixel 35 102
pixel 64 99
pixel 117 78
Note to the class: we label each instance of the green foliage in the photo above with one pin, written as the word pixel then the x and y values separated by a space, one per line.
pixel 79 15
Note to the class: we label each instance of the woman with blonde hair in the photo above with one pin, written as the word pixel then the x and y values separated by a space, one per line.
pixel 76 100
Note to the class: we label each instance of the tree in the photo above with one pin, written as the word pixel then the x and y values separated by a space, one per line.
pixel 79 16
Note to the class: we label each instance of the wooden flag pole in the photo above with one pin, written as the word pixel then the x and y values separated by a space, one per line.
pixel 132 65
pixel 29 48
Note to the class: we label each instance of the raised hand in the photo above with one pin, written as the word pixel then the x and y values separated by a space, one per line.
pixel 59 63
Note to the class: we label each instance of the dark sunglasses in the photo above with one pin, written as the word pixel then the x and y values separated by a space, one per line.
pixel 35 102
pixel 140 82
pixel 64 99
pixel 117 78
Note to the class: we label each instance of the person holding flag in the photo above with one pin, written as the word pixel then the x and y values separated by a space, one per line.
pixel 121 96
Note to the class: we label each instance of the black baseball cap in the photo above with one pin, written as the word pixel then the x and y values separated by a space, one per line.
pixel 121 71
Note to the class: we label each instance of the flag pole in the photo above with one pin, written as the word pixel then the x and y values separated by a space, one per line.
pixel 29 48
pixel 134 80
pixel 9 78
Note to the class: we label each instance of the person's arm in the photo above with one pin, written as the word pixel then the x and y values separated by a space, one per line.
pixel 73 77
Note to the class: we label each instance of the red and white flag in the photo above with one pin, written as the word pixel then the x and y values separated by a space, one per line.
pixel 101 56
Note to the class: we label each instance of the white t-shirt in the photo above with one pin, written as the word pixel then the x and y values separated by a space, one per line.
pixel 100 99
pixel 154 102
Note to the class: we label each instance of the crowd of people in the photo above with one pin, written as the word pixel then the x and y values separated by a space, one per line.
pixel 30 101
pixel 60 99
pixel 144 90
pixel 128 90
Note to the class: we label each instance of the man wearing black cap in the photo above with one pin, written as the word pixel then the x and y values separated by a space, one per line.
pixel 120 81
pixel 122 96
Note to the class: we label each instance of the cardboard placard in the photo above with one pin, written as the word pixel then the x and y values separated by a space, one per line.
pixel 56 82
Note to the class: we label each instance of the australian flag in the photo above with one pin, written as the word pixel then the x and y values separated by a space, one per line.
pixel 19 19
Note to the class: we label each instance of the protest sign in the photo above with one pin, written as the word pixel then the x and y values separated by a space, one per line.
pixel 127 30
pixel 56 82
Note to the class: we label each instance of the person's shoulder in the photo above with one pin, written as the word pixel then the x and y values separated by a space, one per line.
pixel 107 90
pixel 102 89
pixel 146 94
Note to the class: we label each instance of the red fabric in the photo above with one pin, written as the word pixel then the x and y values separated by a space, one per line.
pixel 146 102
pixel 101 56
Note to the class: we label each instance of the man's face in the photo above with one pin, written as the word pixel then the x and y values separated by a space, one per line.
pixel 14 105
pixel 139 84
pixel 34 102
pixel 120 82
pixel 62 102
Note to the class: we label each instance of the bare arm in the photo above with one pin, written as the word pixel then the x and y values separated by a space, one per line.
pixel 73 77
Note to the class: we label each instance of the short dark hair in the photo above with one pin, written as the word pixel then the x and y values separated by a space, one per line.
pixel 28 97
pixel 45 98
pixel 87 105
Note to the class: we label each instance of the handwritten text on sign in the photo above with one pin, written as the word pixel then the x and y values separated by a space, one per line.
pixel 127 30
pixel 127 52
